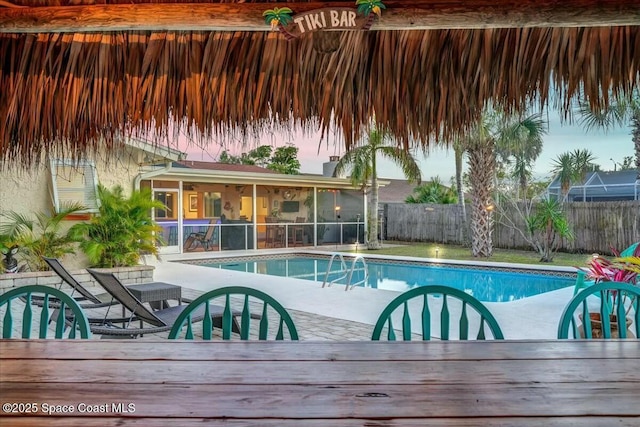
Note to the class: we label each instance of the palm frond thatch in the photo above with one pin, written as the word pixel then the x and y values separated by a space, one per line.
pixel 68 94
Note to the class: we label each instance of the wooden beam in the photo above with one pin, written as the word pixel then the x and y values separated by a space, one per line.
pixel 399 15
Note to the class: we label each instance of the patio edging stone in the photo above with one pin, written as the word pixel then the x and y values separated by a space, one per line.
pixel 128 275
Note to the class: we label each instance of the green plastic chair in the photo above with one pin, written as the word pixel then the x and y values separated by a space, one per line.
pixel 612 294
pixel 630 250
pixel 69 315
pixel 581 283
pixel 227 317
pixel 447 293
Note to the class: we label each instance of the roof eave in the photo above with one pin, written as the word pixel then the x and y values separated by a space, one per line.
pixel 234 177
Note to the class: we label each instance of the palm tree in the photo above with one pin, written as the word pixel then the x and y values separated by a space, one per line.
pixel 363 159
pixel 572 167
pixel 563 168
pixel 618 113
pixel 458 150
pixel 494 129
pixel 583 162
pixel 523 142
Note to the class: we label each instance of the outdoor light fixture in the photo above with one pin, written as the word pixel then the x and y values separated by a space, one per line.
pixel 437 251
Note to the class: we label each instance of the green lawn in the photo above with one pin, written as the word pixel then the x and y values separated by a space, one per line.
pixel 428 250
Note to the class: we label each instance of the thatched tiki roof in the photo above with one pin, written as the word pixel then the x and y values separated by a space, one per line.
pixel 68 92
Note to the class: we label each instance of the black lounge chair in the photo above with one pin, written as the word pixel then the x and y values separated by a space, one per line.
pixel 157 321
pixel 86 299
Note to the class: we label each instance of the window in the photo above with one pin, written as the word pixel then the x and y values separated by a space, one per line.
pixel 212 204
pixel 74 182
pixel 170 200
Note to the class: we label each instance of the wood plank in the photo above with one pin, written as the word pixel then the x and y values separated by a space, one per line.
pixel 309 350
pixel 399 15
pixel 218 401
pixel 322 372
pixel 590 421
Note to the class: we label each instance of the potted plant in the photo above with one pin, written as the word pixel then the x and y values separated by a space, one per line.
pixel 620 269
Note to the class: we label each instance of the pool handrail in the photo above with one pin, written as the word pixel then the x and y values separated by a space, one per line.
pixel 364 280
pixel 345 274
pixel 343 269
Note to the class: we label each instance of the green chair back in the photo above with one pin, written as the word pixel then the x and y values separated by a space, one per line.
pixel 581 283
pixel 630 250
pixel 261 315
pixel 67 315
pixel 616 298
pixel 447 293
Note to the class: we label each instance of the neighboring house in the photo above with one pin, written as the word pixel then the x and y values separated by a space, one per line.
pixel 395 190
pixel 600 187
pixel 198 197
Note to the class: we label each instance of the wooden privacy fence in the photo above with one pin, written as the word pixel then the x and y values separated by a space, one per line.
pixel 596 225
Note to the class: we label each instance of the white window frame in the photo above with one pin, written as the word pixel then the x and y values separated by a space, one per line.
pixel 90 188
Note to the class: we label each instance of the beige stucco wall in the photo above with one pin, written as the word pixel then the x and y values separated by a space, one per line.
pixel 29 191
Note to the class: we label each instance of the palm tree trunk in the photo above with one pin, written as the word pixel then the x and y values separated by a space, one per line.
pixel 635 132
pixel 482 166
pixel 374 242
pixel 465 226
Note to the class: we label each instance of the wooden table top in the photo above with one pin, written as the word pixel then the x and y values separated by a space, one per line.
pixel 332 384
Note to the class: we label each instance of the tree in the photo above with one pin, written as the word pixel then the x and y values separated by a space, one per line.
pixel 362 160
pixel 544 219
pixel 626 164
pixel 546 226
pixel 493 128
pixel 459 149
pixel 433 192
pixel 283 159
pixel 571 167
pixel 258 156
pixel 618 113
pixel 519 146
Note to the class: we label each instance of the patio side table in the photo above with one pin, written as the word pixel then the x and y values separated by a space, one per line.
pixel 157 293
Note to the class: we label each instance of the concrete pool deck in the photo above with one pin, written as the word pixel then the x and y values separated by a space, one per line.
pixel 535 317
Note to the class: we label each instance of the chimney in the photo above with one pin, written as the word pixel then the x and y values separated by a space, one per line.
pixel 329 167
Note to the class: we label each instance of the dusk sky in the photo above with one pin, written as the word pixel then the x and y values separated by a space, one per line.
pixel 614 144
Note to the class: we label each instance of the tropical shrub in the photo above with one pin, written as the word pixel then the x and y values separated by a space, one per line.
pixel 547 226
pixel 122 230
pixel 433 192
pixel 42 236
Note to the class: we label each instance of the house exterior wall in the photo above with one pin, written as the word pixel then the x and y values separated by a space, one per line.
pixel 27 192
pixel 30 191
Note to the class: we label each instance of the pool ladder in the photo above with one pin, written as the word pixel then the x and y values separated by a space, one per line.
pixel 348 274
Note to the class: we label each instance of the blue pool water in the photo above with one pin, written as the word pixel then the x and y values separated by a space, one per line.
pixel 486 285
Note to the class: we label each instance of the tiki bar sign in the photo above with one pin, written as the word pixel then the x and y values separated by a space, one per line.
pixel 325 19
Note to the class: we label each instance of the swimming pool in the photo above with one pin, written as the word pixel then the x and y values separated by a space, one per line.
pixel 486 284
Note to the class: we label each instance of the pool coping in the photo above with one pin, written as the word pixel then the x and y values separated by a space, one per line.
pixel 556 271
